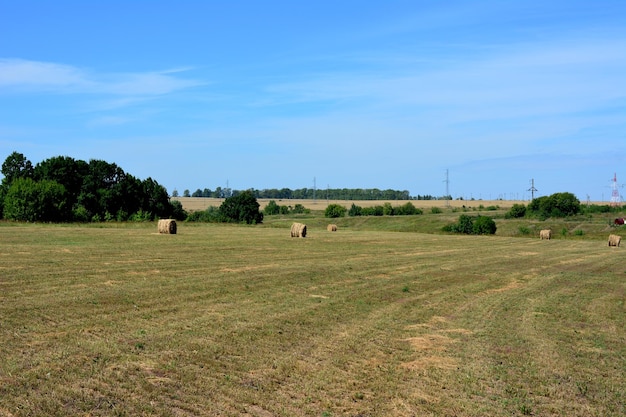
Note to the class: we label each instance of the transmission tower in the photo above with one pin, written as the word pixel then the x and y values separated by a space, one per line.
pixel 616 199
pixel 532 189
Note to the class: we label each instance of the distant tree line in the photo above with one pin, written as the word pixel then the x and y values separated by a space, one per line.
pixel 310 194
pixel 63 189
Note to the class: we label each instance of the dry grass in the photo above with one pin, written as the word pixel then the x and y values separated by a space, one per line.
pixel 117 321
pixel 202 203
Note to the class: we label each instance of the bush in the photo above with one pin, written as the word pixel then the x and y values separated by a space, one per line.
pixel 29 200
pixel 355 210
pixel 436 210
pixel 335 210
pixel 300 209
pixel 408 209
pixel 517 211
pixel 482 225
pixel 272 208
pixel 555 205
pixel 242 208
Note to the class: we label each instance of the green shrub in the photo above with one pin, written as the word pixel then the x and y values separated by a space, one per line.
pixel 484 225
pixel 300 209
pixel 272 208
pixel 517 211
pixel 555 205
pixel 354 210
pixel 242 208
pixel 436 210
pixel 524 230
pixel 335 210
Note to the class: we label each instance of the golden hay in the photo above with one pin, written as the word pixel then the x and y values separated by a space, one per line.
pixel 545 234
pixel 331 227
pixel 298 230
pixel 614 240
pixel 167 226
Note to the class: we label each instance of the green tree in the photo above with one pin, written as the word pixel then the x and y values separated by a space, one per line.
pixel 242 208
pixel 484 225
pixel 16 166
pixel 156 199
pixel 271 208
pixel 465 224
pixel 354 210
pixel 555 205
pixel 517 211
pixel 30 200
pixel 335 210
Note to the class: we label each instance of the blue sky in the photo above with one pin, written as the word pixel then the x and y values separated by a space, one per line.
pixel 349 94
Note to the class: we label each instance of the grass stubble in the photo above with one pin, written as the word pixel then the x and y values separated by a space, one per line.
pixel 246 321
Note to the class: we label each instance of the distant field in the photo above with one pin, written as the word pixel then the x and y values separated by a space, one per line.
pixel 228 320
pixel 202 203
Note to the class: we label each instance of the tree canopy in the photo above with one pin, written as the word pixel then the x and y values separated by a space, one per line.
pixel 62 188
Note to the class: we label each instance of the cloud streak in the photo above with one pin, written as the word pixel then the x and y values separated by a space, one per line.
pixel 48 77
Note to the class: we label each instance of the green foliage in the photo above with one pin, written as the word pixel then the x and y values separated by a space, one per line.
pixel 178 212
pixel 30 200
pixel 484 225
pixel 481 225
pixel 354 210
pixel 300 209
pixel 436 210
pixel 518 210
pixel 555 205
pixel 387 209
pixel 271 208
pixel 16 166
pixel 408 209
pixel 335 210
pixel 91 191
pixel 210 215
pixel 524 230
pixel 242 208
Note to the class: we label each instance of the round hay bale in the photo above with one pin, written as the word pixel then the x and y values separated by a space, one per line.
pixel 167 226
pixel 545 234
pixel 331 227
pixel 614 240
pixel 298 230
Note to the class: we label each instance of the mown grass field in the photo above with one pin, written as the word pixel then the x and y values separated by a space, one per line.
pixel 226 320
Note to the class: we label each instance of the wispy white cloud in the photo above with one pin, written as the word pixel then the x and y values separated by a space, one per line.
pixel 36 76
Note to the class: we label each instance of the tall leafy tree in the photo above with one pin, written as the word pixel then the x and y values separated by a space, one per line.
pixel 16 166
pixel 242 208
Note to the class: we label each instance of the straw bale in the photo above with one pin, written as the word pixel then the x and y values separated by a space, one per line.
pixel 331 227
pixel 614 240
pixel 167 226
pixel 298 230
pixel 545 234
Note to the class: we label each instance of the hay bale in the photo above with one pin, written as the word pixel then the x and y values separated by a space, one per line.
pixel 614 240
pixel 331 227
pixel 167 226
pixel 545 234
pixel 298 230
